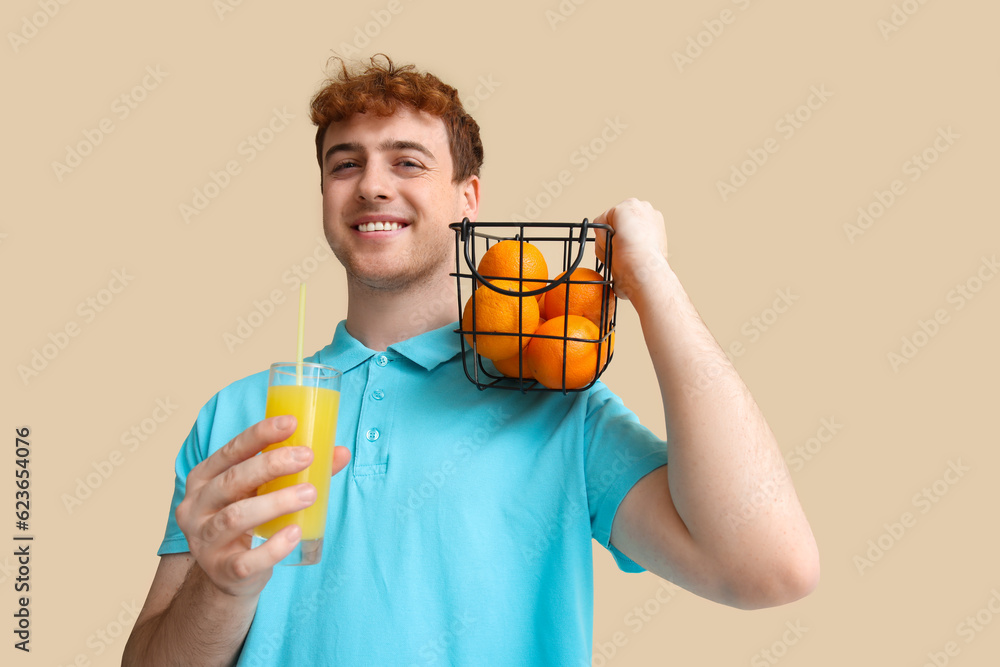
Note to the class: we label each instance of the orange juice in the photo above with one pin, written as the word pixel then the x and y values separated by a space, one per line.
pixel 315 408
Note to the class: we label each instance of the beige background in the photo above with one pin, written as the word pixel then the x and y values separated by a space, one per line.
pixel 553 88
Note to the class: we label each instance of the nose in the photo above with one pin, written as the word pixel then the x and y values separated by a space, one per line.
pixel 374 184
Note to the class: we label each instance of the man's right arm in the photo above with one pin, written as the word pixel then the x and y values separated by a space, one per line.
pixel 186 620
pixel 200 604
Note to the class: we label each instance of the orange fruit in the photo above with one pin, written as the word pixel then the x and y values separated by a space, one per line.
pixel 504 260
pixel 500 314
pixel 584 300
pixel 508 367
pixel 544 356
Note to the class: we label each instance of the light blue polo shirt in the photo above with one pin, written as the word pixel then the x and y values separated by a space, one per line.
pixel 460 533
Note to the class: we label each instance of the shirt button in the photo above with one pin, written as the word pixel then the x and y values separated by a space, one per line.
pixel 372 435
pixel 381 360
pixel 378 394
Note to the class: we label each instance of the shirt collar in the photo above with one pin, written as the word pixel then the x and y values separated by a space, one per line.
pixel 427 350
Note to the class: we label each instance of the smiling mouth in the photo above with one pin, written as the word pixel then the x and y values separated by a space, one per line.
pixel 380 226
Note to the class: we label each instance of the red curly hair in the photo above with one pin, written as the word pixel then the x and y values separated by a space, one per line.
pixel 380 88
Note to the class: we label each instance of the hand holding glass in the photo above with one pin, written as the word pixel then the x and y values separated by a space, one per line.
pixel 310 392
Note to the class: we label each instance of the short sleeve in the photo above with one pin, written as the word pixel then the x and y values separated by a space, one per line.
pixel 619 452
pixel 227 414
pixel 193 451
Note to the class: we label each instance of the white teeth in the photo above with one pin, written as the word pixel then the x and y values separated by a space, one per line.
pixel 379 226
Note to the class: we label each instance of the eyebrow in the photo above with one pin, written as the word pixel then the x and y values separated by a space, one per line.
pixel 387 145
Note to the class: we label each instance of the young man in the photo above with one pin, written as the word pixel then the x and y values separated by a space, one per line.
pixel 461 520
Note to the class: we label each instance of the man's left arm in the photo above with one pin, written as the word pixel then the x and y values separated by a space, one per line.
pixel 722 518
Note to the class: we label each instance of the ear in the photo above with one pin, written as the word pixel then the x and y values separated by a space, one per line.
pixel 470 196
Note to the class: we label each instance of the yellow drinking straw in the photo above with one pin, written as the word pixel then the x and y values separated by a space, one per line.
pixel 302 331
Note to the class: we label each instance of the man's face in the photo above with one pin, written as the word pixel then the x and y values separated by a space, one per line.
pixel 388 198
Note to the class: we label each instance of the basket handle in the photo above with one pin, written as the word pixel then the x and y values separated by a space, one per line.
pixel 466 233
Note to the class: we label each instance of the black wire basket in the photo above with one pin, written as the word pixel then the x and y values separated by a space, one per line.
pixel 473 239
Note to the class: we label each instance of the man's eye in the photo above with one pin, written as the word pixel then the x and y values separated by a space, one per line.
pixel 346 164
pixel 410 163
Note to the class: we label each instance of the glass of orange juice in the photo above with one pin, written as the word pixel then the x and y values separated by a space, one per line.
pixel 310 392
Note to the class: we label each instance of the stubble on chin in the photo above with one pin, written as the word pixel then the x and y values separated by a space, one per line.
pixel 409 273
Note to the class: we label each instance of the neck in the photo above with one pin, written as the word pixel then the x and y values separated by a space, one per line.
pixel 379 318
